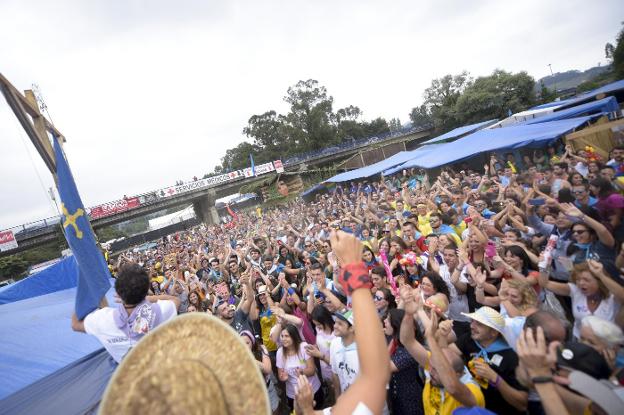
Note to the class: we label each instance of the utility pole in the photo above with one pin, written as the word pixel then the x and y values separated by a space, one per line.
pixel 551 74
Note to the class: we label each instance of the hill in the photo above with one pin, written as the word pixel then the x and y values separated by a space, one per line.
pixel 571 79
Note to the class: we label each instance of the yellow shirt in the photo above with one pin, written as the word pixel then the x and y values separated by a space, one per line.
pixel 266 323
pixel 459 229
pixel 423 224
pixel 436 404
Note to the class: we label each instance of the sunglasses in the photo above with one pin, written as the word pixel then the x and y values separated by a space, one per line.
pixel 578 232
pixel 378 298
pixel 578 192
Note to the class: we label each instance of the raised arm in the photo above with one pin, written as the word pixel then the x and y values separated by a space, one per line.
pixel 370 386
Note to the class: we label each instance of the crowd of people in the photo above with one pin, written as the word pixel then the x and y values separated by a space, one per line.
pixel 497 287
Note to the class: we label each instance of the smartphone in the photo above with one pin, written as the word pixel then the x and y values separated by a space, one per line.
pixel 537 202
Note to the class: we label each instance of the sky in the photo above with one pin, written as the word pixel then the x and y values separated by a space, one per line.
pixel 148 92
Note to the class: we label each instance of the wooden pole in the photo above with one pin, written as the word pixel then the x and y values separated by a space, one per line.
pixel 34 123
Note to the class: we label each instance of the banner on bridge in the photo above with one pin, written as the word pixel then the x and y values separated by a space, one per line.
pixel 7 241
pixel 113 208
pixel 222 178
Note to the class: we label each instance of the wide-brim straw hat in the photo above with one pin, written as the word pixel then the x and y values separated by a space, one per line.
pixel 193 364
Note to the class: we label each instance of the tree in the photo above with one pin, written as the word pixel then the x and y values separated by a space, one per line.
pixel 441 97
pixel 310 120
pixel 421 116
pixel 378 126
pixel 494 96
pixel 395 124
pixel 546 95
pixel 238 157
pixel 616 54
pixel 269 134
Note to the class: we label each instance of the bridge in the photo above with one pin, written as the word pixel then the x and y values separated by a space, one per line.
pixel 203 193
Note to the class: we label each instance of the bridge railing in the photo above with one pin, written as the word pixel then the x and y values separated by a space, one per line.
pixel 351 144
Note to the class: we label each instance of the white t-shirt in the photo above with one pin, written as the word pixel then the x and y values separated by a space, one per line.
pixel 458 303
pixel 607 309
pixel 100 323
pixel 323 342
pixel 290 366
pixel 344 362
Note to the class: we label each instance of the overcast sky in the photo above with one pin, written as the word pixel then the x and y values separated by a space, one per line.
pixel 148 92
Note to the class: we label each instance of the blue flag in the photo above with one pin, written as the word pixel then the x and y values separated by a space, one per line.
pixel 93 274
pixel 253 165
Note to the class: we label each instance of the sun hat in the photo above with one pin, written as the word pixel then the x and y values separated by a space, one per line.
pixel 605 394
pixel 581 357
pixel 489 317
pixel 202 367
pixel 346 315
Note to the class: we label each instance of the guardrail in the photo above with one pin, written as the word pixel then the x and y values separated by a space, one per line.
pixel 351 144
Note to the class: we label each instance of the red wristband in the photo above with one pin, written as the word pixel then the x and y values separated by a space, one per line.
pixel 354 276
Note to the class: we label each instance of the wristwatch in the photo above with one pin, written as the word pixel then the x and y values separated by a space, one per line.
pixel 541 379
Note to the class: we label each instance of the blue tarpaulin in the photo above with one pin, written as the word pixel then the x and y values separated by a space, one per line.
pixel 605 105
pixel 37 339
pixel 613 87
pixel 60 276
pixel 460 131
pixel 373 169
pixel 425 151
pixel 498 139
pixel 75 389
pixel 380 166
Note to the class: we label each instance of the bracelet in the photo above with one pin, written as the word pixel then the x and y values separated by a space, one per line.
pixel 496 382
pixel 541 379
pixel 354 276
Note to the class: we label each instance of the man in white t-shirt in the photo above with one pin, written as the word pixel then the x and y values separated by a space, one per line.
pixel 120 328
pixel 343 357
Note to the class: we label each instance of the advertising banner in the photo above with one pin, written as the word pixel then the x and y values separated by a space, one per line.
pixel 7 241
pixel 113 208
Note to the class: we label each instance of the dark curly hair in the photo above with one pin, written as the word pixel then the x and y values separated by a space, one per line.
pixel 132 283
pixel 439 285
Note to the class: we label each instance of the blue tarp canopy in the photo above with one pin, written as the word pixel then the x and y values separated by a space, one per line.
pixel 497 139
pixel 611 88
pixel 418 155
pixel 40 353
pixel 460 131
pixel 373 169
pixel 60 276
pixel 605 105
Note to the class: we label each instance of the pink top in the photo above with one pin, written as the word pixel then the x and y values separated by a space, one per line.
pixel 290 366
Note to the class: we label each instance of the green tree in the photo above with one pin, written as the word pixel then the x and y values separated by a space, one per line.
pixel 310 122
pixel 394 124
pixel 421 116
pixel 545 94
pixel 441 97
pixel 494 96
pixel 269 135
pixel 616 54
pixel 238 157
pixel 378 126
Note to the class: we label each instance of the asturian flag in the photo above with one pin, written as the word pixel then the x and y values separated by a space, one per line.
pixel 93 274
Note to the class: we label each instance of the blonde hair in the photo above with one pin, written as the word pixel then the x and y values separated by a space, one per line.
pixel 584 267
pixel 527 293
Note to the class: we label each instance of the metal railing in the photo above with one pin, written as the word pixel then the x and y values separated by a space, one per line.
pixel 351 144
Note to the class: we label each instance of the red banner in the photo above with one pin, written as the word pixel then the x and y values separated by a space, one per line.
pixel 113 208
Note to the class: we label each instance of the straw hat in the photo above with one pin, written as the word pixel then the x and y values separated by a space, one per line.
pixel 489 317
pixel 193 364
